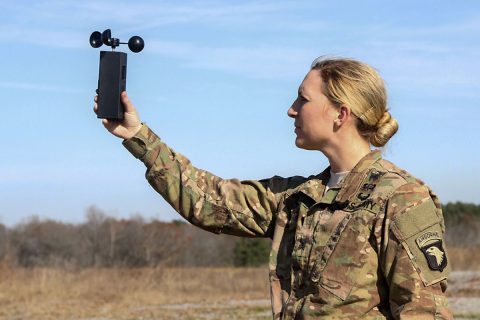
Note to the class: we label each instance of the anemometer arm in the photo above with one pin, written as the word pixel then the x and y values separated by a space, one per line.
pixel 97 39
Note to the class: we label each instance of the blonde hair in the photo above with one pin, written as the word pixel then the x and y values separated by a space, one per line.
pixel 357 85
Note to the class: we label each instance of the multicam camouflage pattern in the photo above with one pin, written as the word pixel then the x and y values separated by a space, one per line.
pixel 358 250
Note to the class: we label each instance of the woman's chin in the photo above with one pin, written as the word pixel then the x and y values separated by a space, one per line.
pixel 300 143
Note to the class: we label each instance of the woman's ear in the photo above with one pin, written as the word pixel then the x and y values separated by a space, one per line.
pixel 343 115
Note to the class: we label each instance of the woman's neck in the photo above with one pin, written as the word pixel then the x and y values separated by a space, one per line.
pixel 344 157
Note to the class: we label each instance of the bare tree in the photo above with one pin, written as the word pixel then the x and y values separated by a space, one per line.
pixel 92 233
pixel 3 241
pixel 42 243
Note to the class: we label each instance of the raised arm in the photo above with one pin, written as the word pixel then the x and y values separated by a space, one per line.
pixel 244 208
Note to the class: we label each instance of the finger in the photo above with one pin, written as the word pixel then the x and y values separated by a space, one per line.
pixel 95 108
pixel 95 98
pixel 127 103
pixel 106 124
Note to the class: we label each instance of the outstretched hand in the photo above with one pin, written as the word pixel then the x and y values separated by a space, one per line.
pixel 126 128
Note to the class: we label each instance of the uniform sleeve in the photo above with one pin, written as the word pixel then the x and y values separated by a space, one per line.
pixel 415 263
pixel 243 208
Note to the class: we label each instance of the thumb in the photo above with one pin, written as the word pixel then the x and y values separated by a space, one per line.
pixel 127 104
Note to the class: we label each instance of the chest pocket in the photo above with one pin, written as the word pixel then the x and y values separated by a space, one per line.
pixel 345 253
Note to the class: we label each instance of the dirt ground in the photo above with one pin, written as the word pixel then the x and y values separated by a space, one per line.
pixel 464 294
pixel 463 291
pixel 147 294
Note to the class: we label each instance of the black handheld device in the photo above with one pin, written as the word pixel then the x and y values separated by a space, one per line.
pixel 112 76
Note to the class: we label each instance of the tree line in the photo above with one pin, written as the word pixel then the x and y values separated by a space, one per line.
pixel 103 241
pixel 462 221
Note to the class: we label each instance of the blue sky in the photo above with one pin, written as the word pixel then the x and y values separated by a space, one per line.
pixel 215 81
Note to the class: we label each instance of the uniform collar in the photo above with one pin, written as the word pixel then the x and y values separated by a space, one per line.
pixel 314 188
pixel 355 178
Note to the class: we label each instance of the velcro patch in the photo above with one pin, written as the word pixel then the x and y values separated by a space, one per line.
pixel 420 232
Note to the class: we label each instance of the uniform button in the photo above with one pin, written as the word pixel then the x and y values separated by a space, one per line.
pixel 369 186
pixel 363 196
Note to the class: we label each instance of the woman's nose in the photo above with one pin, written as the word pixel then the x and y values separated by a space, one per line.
pixel 291 112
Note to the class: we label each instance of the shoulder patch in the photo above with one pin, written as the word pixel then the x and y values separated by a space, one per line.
pixel 420 232
pixel 434 253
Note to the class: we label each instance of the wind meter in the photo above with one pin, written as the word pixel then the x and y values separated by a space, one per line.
pixel 112 76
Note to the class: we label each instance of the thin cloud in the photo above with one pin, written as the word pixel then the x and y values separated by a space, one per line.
pixel 57 23
pixel 407 53
pixel 457 28
pixel 11 85
pixel 42 36
pixel 271 62
pixel 140 16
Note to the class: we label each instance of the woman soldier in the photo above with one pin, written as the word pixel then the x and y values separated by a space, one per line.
pixel 362 239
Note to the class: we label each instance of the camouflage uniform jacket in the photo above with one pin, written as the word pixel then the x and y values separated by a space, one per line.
pixel 371 248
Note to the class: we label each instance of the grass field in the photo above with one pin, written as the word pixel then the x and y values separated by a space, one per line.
pixel 181 293
pixel 195 293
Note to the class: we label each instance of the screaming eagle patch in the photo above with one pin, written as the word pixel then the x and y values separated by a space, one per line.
pixel 431 245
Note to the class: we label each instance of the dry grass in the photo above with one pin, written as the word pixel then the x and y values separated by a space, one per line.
pixel 181 293
pixel 194 293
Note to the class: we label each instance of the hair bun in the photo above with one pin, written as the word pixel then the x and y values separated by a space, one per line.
pixel 386 127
